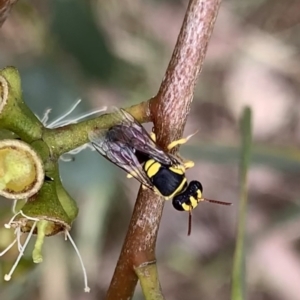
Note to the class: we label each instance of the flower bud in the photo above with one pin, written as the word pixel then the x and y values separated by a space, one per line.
pixel 21 170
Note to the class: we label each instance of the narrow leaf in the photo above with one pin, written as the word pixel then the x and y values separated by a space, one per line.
pixel 238 274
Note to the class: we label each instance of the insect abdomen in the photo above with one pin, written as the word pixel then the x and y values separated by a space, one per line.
pixel 166 181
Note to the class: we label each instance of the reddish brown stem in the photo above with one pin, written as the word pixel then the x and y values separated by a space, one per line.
pixel 139 245
pixel 171 106
pixel 169 110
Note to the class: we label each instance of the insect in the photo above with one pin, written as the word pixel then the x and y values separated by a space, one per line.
pixel 129 146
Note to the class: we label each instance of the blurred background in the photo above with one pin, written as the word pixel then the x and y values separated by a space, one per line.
pixel 115 53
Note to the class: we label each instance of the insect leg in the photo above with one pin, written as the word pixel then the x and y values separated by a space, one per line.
pixel 181 141
pixel 131 174
pixel 188 164
pixel 153 135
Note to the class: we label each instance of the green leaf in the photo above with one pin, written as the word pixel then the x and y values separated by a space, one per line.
pixel 238 274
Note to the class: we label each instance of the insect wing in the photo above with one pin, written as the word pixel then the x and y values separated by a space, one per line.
pixel 98 140
pixel 136 135
pixel 119 154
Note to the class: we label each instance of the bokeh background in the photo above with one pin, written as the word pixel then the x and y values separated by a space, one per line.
pixel 115 53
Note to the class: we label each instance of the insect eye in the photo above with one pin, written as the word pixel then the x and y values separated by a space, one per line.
pixel 196 185
pixel 178 201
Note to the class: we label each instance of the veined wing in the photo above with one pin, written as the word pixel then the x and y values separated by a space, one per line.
pixel 131 132
pixel 121 155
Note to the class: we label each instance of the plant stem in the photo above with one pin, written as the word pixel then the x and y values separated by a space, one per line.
pixel 238 273
pixel 147 274
pixel 69 137
pixel 169 110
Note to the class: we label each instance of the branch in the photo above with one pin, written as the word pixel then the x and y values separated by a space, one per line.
pixel 172 104
pixel 68 137
pixel 169 110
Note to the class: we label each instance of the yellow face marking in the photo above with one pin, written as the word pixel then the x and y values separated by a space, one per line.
pixel 199 196
pixel 178 190
pixel 130 175
pixel 193 201
pixel 189 207
pixel 186 207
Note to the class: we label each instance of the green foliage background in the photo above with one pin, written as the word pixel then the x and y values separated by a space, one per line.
pixel 114 53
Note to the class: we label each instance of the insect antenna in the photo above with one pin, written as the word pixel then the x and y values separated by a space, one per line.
pixel 190 223
pixel 217 202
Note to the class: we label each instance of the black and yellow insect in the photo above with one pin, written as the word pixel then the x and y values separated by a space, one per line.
pixel 128 145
